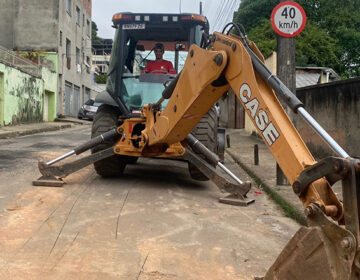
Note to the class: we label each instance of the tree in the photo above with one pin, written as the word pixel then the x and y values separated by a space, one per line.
pixel 264 37
pixel 331 37
pixel 251 13
pixel 100 79
pixel 314 47
pixel 341 20
pixel 94 37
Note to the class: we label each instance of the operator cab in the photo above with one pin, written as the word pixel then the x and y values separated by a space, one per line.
pixel 135 38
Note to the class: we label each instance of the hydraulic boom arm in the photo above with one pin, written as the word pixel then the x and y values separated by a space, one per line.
pixel 206 76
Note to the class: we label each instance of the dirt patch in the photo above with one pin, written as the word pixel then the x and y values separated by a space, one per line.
pixel 25 215
pixel 166 262
pixel 31 210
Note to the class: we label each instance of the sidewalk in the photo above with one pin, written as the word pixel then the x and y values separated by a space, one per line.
pixel 242 151
pixel 32 128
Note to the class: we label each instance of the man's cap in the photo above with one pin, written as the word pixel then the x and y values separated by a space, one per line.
pixel 159 46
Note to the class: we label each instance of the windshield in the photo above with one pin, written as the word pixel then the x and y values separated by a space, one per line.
pixel 138 90
pixel 144 57
pixel 130 55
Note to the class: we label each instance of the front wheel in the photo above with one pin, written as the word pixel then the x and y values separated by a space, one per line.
pixel 106 118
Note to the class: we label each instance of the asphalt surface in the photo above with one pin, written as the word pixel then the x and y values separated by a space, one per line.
pixel 154 222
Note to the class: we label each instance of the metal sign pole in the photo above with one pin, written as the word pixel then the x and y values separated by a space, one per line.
pixel 286 72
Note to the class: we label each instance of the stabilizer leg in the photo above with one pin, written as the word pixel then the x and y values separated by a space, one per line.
pixel 51 172
pixel 237 190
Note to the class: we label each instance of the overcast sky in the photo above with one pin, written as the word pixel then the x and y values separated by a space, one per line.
pixel 219 12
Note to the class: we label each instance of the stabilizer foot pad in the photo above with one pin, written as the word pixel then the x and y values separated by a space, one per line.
pixel 48 181
pixel 237 200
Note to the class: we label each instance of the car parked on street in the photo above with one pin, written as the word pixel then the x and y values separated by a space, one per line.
pixel 88 110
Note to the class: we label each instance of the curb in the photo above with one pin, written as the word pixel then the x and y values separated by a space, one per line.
pixel 13 134
pixel 72 121
pixel 289 210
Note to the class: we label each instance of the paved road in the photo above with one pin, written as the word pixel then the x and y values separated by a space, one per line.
pixel 152 223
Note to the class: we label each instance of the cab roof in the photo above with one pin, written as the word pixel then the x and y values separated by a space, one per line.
pixel 151 18
pixel 159 27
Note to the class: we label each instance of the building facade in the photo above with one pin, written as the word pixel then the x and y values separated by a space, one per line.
pixel 101 56
pixel 60 28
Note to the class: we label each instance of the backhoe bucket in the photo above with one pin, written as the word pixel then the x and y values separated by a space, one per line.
pixel 316 252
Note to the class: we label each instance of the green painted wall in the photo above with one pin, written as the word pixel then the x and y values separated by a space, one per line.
pixel 23 96
pixel 50 78
pixel 1 98
pixel 50 60
pixel 52 106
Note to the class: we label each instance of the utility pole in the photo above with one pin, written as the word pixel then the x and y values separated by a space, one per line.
pixel 286 72
pixel 201 8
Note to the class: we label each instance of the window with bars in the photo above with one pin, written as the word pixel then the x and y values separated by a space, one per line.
pixel 68 54
pixel 68 6
pixel 88 28
pixel 77 15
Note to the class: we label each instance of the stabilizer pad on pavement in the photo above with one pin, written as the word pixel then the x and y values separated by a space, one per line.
pixel 236 200
pixel 48 182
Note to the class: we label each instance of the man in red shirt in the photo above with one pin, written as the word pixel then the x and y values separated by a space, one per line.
pixel 159 65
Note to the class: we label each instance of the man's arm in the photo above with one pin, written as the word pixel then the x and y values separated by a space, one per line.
pixel 148 67
pixel 170 67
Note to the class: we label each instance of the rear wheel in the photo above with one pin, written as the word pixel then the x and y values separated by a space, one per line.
pixel 206 132
pixel 106 118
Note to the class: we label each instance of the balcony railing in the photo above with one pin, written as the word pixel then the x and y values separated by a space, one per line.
pixel 19 62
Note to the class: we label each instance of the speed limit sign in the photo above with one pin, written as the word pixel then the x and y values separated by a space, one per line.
pixel 288 19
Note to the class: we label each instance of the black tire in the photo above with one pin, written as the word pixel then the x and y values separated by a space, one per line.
pixel 206 132
pixel 106 118
pixel 131 160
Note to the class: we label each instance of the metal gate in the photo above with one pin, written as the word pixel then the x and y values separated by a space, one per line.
pixel 72 95
pixel 76 98
pixel 68 97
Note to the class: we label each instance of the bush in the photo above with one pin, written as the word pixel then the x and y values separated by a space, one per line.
pixel 100 79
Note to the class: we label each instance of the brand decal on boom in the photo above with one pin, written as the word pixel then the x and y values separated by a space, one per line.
pixel 261 118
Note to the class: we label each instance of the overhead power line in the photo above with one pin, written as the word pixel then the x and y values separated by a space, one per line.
pixel 224 15
pixel 227 15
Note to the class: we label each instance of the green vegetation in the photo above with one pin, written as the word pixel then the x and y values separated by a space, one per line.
pixel 331 37
pixel 288 210
pixel 95 40
pixel 100 79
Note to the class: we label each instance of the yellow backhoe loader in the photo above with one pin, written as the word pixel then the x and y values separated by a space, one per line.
pixel 171 116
